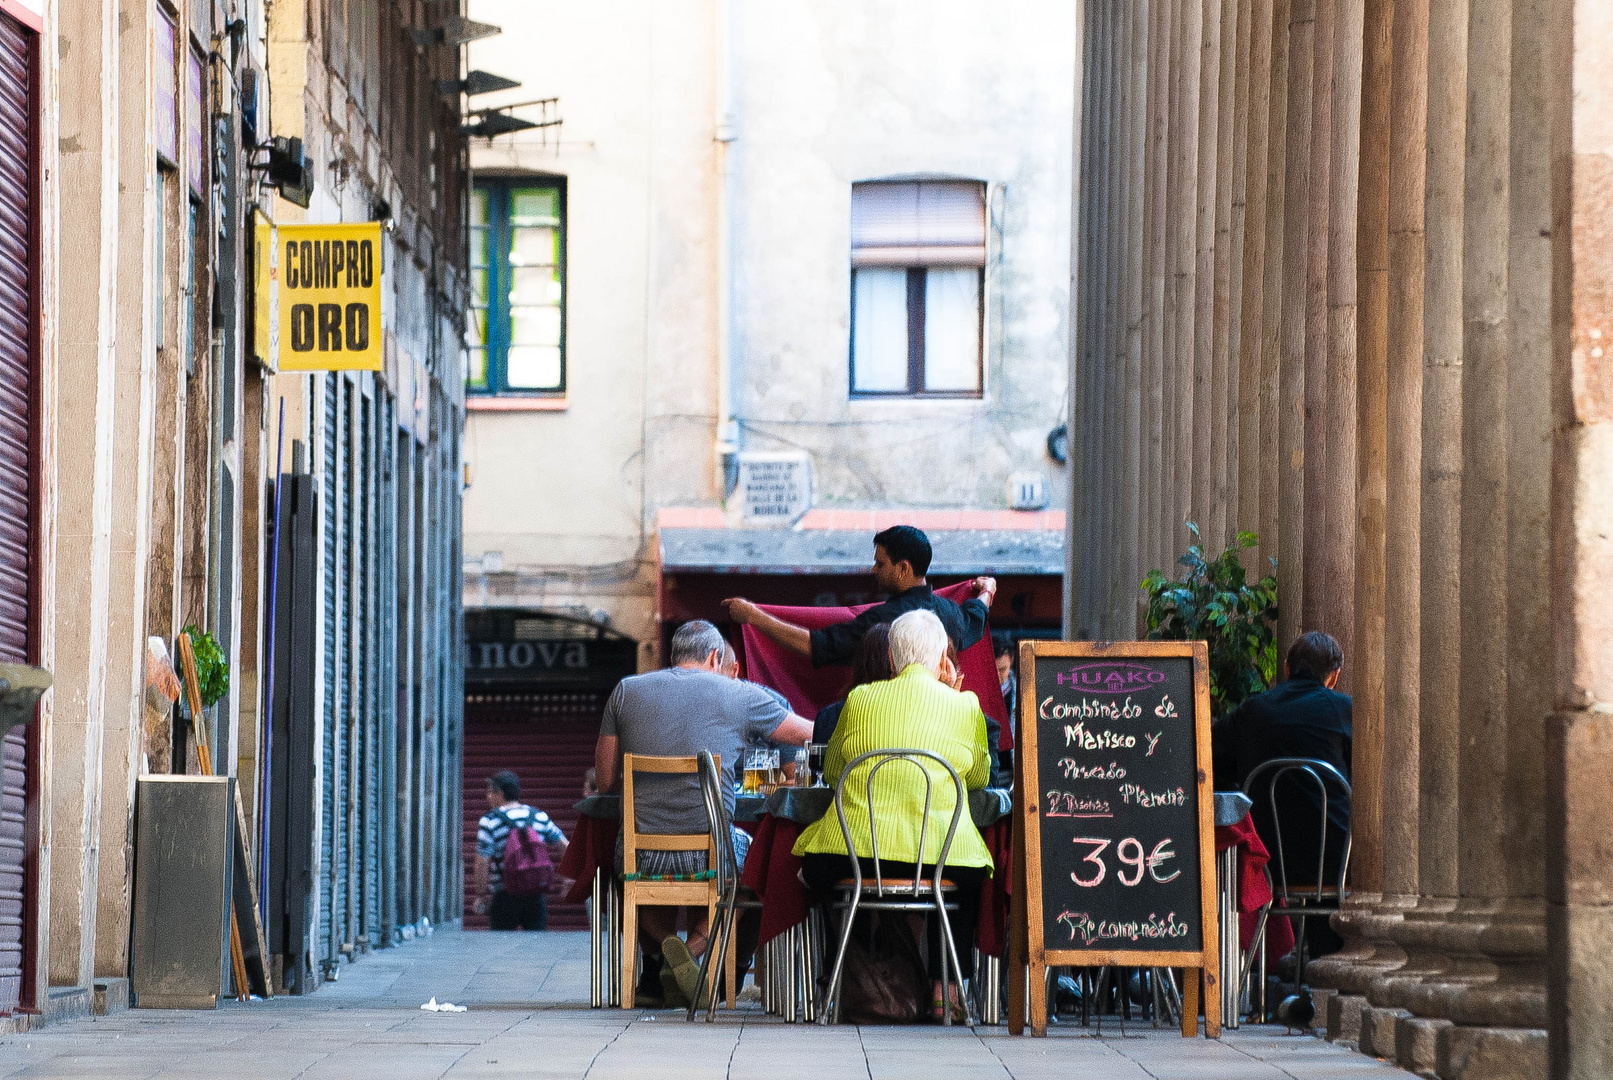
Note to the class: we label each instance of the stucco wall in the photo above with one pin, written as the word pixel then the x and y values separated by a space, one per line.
pixel 824 95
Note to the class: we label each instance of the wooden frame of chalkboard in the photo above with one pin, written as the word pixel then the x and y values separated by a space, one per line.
pixel 1111 705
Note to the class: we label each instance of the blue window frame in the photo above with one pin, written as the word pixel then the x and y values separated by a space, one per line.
pixel 516 332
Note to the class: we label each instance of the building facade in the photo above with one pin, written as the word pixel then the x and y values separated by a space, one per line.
pixel 1342 280
pixel 142 434
pixel 778 278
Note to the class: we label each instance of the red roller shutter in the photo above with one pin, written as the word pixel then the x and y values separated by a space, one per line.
pixel 18 318
pixel 547 739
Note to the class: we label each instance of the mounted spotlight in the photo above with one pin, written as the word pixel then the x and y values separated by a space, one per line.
pixel 477 82
pixel 493 124
pixel 455 31
pixel 289 169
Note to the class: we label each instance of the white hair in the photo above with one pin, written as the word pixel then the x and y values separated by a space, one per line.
pixel 918 638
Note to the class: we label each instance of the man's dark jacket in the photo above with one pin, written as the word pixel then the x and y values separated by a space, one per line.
pixel 1298 718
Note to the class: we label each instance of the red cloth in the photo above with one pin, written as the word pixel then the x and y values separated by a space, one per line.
pixel 810 689
pixel 991 934
pixel 1253 890
pixel 771 873
pixel 593 844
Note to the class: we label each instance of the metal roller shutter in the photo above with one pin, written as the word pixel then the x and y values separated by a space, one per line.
pixel 328 784
pixel 548 740
pixel 17 495
pixel 342 901
pixel 369 923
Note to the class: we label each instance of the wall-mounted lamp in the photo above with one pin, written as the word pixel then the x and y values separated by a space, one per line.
pixel 381 210
pixel 455 30
pixel 477 82
pixel 290 170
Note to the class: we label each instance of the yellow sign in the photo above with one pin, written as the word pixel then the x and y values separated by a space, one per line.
pixel 325 281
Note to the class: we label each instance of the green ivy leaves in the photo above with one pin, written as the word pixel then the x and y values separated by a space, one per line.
pixel 1212 601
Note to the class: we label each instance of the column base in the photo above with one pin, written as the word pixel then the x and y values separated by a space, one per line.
pixel 1473 1053
pixel 1417 1044
pixel 1377 1036
pixel 1344 1018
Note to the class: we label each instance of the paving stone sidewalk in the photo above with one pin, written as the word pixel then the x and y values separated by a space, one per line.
pixel 528 1018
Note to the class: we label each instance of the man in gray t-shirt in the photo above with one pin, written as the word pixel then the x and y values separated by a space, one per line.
pixel 677 712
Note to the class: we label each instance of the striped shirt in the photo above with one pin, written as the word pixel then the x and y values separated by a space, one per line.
pixel 493 832
pixel 915 711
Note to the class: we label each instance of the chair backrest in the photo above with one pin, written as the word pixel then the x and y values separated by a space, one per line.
pixel 632 839
pixel 722 833
pixel 915 758
pixel 1304 773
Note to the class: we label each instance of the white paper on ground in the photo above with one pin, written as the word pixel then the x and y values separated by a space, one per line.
pixel 441 1006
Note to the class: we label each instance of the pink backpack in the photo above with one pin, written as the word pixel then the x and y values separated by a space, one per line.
pixel 526 867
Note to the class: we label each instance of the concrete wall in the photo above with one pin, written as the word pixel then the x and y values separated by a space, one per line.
pixel 822 96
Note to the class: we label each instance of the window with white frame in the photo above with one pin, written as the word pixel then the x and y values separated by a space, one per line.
pixel 918 258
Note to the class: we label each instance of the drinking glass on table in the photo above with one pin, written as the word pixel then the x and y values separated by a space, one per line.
pixel 815 755
pixel 753 771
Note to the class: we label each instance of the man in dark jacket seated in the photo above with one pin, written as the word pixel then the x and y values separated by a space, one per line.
pixel 1301 717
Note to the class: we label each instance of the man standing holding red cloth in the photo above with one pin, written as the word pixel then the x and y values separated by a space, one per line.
pixel 901 559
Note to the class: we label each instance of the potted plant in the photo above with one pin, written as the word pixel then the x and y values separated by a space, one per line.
pixel 1213 601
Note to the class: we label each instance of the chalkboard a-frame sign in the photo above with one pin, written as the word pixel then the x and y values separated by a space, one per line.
pixel 1114 845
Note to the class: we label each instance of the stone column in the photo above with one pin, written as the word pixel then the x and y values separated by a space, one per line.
pixel 1339 417
pixel 1112 155
pixel 1156 167
pixel 1209 76
pixel 1492 928
pixel 1223 473
pixel 1083 429
pixel 1169 234
pixel 87 359
pixel 1191 32
pixel 1501 1021
pixel 1240 402
pixel 1256 30
pixel 1272 464
pixel 1292 444
pixel 1580 822
pixel 1131 107
pixel 1318 610
pixel 1408 123
pixel 1368 60
pixel 1430 970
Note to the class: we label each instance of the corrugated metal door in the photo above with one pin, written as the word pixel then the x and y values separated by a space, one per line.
pixel 369 924
pixel 17 494
pixel 548 740
pixel 342 867
pixel 328 783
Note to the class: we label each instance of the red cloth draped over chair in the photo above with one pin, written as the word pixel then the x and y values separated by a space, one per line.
pixel 1253 889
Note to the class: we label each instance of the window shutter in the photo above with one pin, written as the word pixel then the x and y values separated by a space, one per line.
pixel 918 223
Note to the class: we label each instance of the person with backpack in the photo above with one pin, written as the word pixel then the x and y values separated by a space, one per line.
pixel 514 870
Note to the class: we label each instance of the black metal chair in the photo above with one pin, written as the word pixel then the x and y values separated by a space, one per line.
pixel 919 894
pixel 1302 901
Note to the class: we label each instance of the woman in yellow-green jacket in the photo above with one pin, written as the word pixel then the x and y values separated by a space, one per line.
pixel 918 711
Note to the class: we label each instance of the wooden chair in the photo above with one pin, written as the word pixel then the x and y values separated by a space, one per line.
pixel 700 890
